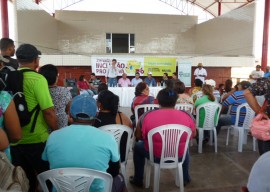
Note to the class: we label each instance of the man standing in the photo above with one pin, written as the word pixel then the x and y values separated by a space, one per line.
pixel 200 72
pixel 150 81
pixel 124 81
pixel 81 144
pixel 7 48
pixel 136 80
pixel 111 75
pixel 27 152
pixel 256 74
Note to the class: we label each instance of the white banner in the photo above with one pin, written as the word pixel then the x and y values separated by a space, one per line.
pixel 128 65
pixel 184 72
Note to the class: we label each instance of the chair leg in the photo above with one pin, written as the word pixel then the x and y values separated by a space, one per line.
pixel 215 138
pixel 240 139
pixel 254 144
pixel 123 170
pixel 200 140
pixel 156 177
pixel 228 134
pixel 180 177
pixel 211 137
pixel 148 173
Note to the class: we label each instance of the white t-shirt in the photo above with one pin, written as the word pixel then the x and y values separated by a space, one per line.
pixel 198 72
pixel 256 74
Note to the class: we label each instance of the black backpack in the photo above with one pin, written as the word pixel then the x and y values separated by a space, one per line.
pixel 11 80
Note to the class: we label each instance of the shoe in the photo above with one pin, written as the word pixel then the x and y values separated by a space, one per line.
pixel 187 182
pixel 134 182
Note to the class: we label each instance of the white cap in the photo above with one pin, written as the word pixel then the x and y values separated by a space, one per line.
pixel 149 73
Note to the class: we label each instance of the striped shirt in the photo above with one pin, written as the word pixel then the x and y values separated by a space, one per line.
pixel 236 99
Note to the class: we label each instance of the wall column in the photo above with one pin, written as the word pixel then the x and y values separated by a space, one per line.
pixel 4 17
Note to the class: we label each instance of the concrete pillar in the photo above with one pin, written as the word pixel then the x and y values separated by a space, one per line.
pixel 4 18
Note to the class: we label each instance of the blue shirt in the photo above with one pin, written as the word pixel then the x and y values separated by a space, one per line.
pixel 81 146
pixel 150 83
pixel 236 99
pixel 135 82
pixel 267 74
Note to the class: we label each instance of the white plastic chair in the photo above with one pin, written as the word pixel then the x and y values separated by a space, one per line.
pixel 260 99
pixel 74 179
pixel 171 135
pixel 212 110
pixel 146 107
pixel 185 107
pixel 117 131
pixel 243 129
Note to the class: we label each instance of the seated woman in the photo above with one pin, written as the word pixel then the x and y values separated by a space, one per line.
pixel 84 86
pixel 108 114
pixel 198 87
pixel 208 96
pixel 61 96
pixel 183 97
pixel 141 97
pixel 167 100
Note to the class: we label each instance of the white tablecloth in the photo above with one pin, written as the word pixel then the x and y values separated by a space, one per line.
pixel 126 94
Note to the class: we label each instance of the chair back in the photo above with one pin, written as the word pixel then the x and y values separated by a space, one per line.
pixel 212 111
pixel 117 131
pixel 74 179
pixel 145 107
pixel 196 95
pixel 260 99
pixel 250 114
pixel 171 135
pixel 184 107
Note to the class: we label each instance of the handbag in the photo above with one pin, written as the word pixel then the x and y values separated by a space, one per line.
pixel 260 128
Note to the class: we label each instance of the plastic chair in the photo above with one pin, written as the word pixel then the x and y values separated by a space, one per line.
pixel 212 110
pixel 73 179
pixel 117 131
pixel 171 134
pixel 243 129
pixel 146 107
pixel 184 107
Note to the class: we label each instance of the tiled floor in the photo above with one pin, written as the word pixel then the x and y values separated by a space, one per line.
pixel 224 171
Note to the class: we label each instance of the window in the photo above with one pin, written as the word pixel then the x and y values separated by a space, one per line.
pixel 120 43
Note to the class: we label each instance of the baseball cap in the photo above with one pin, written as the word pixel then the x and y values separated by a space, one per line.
pixel 245 84
pixel 258 66
pixel 27 52
pixel 3 59
pixel 210 82
pixel 259 176
pixel 83 107
pixel 149 73
pixel 200 65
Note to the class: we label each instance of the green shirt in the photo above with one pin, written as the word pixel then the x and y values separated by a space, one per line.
pixel 202 100
pixel 36 91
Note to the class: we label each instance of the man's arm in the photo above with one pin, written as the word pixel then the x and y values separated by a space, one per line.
pixel 50 118
pixel 251 100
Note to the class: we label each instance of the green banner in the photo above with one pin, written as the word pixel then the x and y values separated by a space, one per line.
pixel 158 65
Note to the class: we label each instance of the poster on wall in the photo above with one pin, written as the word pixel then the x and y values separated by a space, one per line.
pixel 159 65
pixel 184 72
pixel 128 65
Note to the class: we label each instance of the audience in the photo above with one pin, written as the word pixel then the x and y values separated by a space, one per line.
pixel 136 80
pixel 141 97
pixel 27 151
pixel 61 96
pixel 82 145
pixel 149 80
pixel 84 86
pixel 167 100
pixel 124 81
pixel 94 83
pixel 183 97
pixel 236 99
pixel 7 49
pixel 108 114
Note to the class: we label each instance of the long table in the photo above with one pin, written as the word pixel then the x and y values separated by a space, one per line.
pixel 126 94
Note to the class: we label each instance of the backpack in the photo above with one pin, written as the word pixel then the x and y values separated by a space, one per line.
pixel 12 178
pixel 11 80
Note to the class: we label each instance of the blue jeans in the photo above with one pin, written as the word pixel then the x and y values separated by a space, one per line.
pixel 224 120
pixel 139 155
pixel 112 82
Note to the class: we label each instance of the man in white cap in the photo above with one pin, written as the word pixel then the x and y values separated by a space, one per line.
pixel 149 80
pixel 200 72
